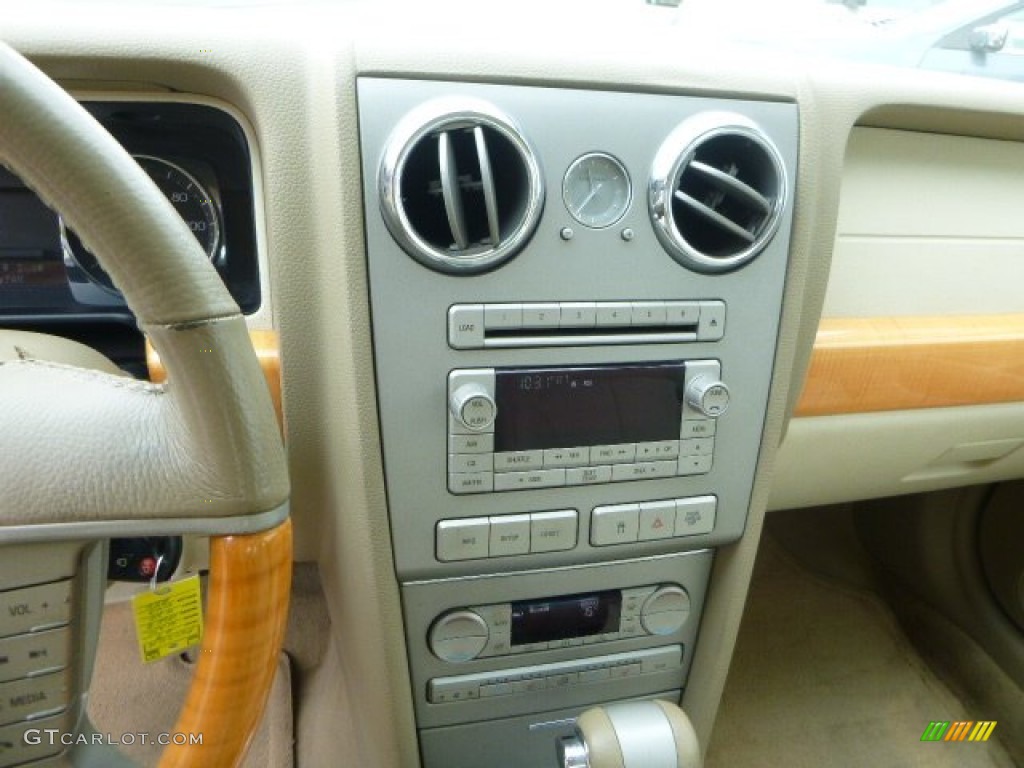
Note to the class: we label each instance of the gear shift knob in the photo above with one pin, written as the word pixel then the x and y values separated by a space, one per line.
pixel 640 734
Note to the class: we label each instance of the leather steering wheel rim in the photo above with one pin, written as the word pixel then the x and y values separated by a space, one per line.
pixel 200 453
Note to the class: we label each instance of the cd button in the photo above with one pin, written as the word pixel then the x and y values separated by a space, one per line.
pixel 505 316
pixel 567 457
pixel 466 326
pixel 470 462
pixel 649 313
pixel 478 443
pixel 541 315
pixel 711 326
pixel 578 314
pixel 614 313
pixel 682 313
pixel 695 465
pixel 588 475
pixel 513 461
pixel 612 454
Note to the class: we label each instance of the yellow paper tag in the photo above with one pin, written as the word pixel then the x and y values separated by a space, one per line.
pixel 168 619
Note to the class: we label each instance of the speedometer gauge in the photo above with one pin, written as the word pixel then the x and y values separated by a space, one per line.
pixel 190 199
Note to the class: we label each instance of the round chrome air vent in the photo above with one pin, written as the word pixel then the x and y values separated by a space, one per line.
pixel 460 186
pixel 717 191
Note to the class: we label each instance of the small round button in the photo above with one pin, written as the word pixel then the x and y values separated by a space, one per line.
pixel 458 636
pixel 473 406
pixel 665 611
pixel 708 396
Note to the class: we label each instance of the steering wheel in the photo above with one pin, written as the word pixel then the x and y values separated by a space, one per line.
pixel 86 455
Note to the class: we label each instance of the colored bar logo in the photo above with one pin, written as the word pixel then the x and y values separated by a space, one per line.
pixel 960 730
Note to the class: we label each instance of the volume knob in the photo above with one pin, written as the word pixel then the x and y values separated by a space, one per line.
pixel 708 396
pixel 473 406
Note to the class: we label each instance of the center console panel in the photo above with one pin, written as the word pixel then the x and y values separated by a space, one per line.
pixel 575 301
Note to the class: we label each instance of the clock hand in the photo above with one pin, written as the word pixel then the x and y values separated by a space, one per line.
pixel 590 196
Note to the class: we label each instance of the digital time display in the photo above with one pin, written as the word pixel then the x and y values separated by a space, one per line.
pixel 570 407
pixel 541 621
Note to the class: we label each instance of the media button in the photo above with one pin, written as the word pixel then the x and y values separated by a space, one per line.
pixel 479 443
pixel 470 462
pixel 697 428
pixel 518 481
pixel 613 454
pixel 475 482
pixel 513 461
pixel 588 475
pixel 567 457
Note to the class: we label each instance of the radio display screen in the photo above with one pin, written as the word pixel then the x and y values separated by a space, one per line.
pixel 540 621
pixel 571 407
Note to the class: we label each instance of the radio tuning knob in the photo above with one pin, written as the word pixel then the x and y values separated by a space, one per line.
pixel 665 611
pixel 458 636
pixel 473 406
pixel 708 396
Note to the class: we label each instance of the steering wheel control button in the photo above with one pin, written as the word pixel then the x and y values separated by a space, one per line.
pixel 553 531
pixel 458 636
pixel 33 654
pixel 33 697
pixel 665 611
pixel 16 749
pixel 463 539
pixel 695 516
pixel 466 326
pixel 33 609
pixel 617 524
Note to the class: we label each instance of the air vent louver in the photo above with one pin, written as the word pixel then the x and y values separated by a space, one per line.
pixel 460 186
pixel 718 188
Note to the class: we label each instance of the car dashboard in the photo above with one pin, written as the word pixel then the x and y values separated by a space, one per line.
pixel 545 303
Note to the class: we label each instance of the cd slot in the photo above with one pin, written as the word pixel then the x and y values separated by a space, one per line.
pixel 574 337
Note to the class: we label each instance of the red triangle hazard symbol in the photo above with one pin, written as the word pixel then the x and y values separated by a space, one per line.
pixel 658 523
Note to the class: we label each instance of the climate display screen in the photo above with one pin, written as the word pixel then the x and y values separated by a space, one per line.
pixel 541 621
pixel 571 407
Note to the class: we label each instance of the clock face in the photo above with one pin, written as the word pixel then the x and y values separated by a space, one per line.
pixel 596 190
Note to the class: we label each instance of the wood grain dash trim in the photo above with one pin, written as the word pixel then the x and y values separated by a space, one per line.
pixel 864 365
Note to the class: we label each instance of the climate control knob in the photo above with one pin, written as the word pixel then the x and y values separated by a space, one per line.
pixel 665 611
pixel 708 396
pixel 473 406
pixel 458 636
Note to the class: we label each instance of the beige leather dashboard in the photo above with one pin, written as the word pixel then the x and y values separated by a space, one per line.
pixel 292 70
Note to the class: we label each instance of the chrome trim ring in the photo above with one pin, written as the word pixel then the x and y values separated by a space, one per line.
pixel 452 113
pixel 675 155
